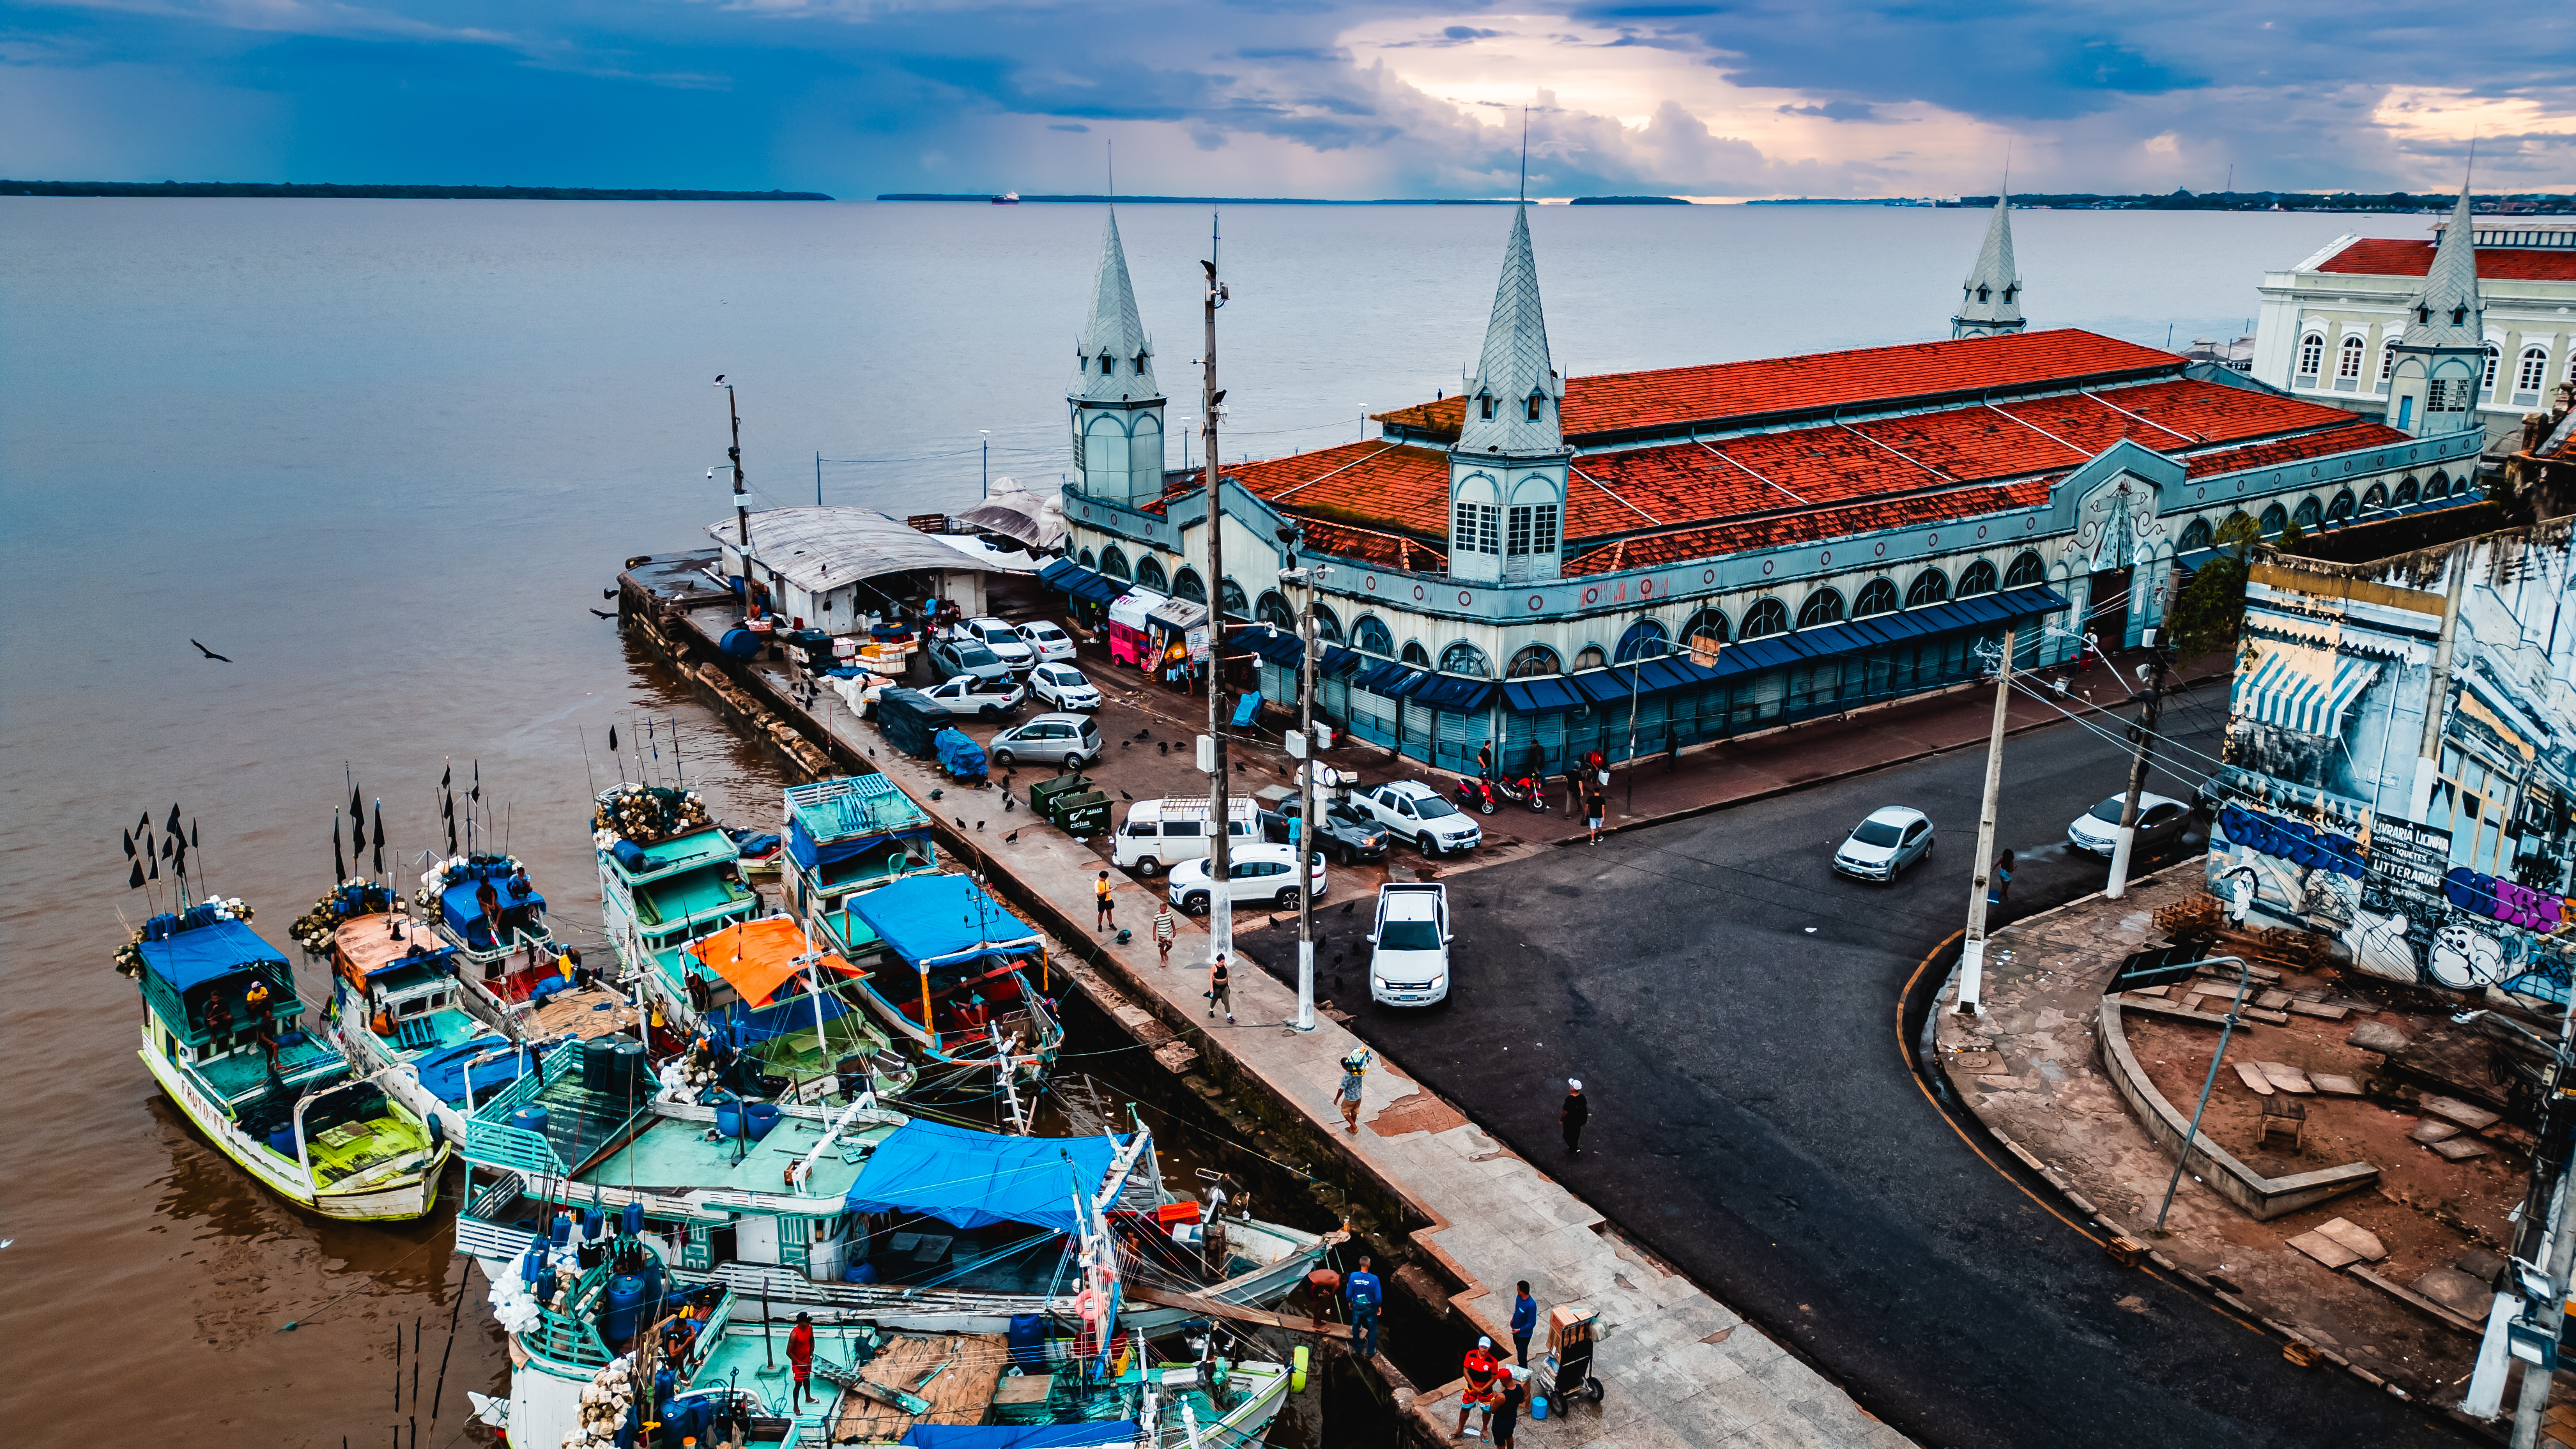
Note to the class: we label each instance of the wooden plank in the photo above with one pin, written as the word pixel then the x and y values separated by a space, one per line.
pixel 2246 1072
pixel 2419 1302
pixel 2286 1077
pixel 2353 1235
pixel 955 1373
pixel 2319 1010
pixel 1211 1308
pixel 2474 1118
pixel 2325 1250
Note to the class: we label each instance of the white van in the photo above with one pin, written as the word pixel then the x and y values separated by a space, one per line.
pixel 1159 832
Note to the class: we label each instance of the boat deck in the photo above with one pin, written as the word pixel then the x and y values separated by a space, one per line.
pixel 432 1030
pixel 244 1074
pixel 674 899
pixel 594 1012
pixel 962 1372
pixel 678 1154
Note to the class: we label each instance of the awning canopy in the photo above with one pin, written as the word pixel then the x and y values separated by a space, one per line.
pixel 1067 577
pixel 757 957
pixel 932 919
pixel 1389 677
pixel 971 1179
pixel 1645 677
pixel 1449 692
pixel 2284 691
pixel 1265 641
pixel 1338 660
pixel 1034 519
pixel 459 905
pixel 818 549
pixel 831 821
pixel 1530 696
pixel 195 957
pixel 1177 615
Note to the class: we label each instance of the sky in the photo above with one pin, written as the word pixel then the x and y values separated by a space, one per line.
pixel 1324 98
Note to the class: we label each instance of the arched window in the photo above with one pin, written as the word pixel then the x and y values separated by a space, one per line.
pixel 2376 499
pixel 1705 634
pixel 1534 661
pixel 1230 600
pixel 2312 354
pixel 1765 618
pixel 2495 355
pixel 1415 655
pixel 2404 497
pixel 1878 596
pixel 1113 562
pixel 2348 356
pixel 2195 536
pixel 1645 639
pixel 1274 611
pixel 2437 486
pixel 1824 606
pixel 1929 587
pixel 2275 518
pixel 1328 625
pixel 1370 636
pixel 1186 585
pixel 2532 371
pixel 1536 400
pixel 2026 570
pixel 1977 578
pixel 1085 559
pixel 1149 575
pixel 2306 515
pixel 2341 508
pixel 1466 659
pixel 1591 657
pixel 2387 362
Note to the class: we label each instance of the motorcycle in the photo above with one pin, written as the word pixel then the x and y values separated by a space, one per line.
pixel 1528 790
pixel 1476 793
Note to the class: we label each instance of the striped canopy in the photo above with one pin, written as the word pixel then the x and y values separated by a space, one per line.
pixel 2285 691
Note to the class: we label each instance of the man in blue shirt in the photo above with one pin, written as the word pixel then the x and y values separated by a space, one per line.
pixel 1366 1294
pixel 1524 1323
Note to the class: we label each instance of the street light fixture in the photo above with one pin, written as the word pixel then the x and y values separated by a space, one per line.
pixel 1302 833
pixel 988 461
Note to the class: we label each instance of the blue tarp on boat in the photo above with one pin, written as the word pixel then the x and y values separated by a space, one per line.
pixel 930 919
pixel 443 1071
pixel 970 1179
pixel 193 958
pixel 458 904
pixel 1116 1435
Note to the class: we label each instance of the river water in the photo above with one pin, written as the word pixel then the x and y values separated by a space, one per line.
pixel 386 455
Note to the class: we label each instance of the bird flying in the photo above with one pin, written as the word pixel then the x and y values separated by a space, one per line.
pixel 209 653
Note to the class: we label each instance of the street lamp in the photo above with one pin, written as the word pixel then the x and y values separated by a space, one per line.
pixel 741 507
pixel 1302 831
pixel 988 461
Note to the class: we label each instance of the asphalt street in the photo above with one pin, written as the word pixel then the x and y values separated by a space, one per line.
pixel 1731 1006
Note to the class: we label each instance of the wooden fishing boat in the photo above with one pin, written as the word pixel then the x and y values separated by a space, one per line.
pixel 956 975
pixel 398 1012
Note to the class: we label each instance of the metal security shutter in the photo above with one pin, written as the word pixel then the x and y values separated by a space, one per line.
pixel 1333 699
pixel 1647 737
pixel 1770 697
pixel 1456 739
pixel 1417 729
pixel 1372 716
pixel 1279 685
pixel 1547 731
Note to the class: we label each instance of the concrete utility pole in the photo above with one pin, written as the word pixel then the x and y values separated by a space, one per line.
pixel 2553 1307
pixel 1220 855
pixel 1972 955
pixel 1304 831
pixel 741 506
pixel 2123 847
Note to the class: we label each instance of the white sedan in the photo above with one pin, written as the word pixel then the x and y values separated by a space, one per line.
pixel 1260 873
pixel 2160 819
pixel 1052 644
pixel 1063 686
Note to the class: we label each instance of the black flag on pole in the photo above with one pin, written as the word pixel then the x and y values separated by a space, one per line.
pixel 193 841
pixel 156 868
pixel 477 792
pixel 612 739
pixel 451 833
pixel 173 826
pixel 134 878
pixel 165 847
pixel 447 776
pixel 144 825
pixel 129 845
pixel 339 863
pixel 380 837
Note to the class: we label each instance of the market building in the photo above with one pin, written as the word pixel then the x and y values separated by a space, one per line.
pixel 1647 561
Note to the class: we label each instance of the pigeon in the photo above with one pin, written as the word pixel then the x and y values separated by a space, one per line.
pixel 1238 767
pixel 1008 802
pixel 961 824
pixel 1140 734
pixel 1346 910
pixel 603 613
pixel 872 752
pixel 1164 746
pixel 1011 839
pixel 1123 795
pixel 979 824
pixel 209 653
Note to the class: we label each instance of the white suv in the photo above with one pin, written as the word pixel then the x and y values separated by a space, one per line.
pixel 1420 814
pixel 1264 873
pixel 1409 955
pixel 1005 641
pixel 1063 686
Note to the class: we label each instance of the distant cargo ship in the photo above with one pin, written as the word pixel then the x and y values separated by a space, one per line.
pixel 1007 198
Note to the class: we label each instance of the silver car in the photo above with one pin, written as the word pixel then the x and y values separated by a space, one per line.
pixel 1892 838
pixel 964 655
pixel 1070 740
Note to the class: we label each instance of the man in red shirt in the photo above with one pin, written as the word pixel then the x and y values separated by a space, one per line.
pixel 800 1354
pixel 1484 1377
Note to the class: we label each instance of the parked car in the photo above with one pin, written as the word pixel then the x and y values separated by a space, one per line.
pixel 1345 835
pixel 1882 846
pixel 1420 814
pixel 1259 873
pixel 966 655
pixel 1064 686
pixel 972 694
pixel 1003 638
pixel 1068 739
pixel 2161 818
pixel 1409 944
pixel 1161 833
pixel 1051 643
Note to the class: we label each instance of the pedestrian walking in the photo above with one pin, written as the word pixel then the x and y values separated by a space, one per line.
pixel 1524 1323
pixel 1348 1093
pixel 1220 993
pixel 1506 1415
pixel 1164 928
pixel 1571 1117
pixel 800 1354
pixel 1595 801
pixel 1101 898
pixel 1482 1373
pixel 1999 880
pixel 1366 1295
pixel 1485 760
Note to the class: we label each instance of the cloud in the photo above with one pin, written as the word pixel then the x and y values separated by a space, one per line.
pixel 1078 129
pixel 1839 111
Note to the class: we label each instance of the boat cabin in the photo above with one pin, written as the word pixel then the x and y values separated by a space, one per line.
pixel 849 835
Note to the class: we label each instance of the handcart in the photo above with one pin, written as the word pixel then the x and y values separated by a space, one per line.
pixel 1567 1365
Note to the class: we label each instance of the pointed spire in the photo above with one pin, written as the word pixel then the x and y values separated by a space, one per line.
pixel 1515 366
pixel 1114 333
pixel 1990 300
pixel 2447 311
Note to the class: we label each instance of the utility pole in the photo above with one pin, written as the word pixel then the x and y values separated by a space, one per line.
pixel 818 480
pixel 1972 954
pixel 2123 847
pixel 1304 832
pixel 1220 855
pixel 2552 1308
pixel 741 505
pixel 2544 1236
pixel 988 461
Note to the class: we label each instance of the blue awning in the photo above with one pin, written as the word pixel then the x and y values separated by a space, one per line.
pixel 1648 676
pixel 195 957
pixel 1531 696
pixel 1449 692
pixel 929 920
pixel 1117 1435
pixel 1338 660
pixel 1878 631
pixel 1265 641
pixel 1390 678
pixel 1066 576
pixel 464 912
pixel 971 1179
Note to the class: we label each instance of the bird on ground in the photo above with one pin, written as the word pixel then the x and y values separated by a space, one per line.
pixel 1123 795
pixel 1165 746
pixel 1144 734
pixel 1346 910
pixel 209 653
pixel 872 752
pixel 604 613
pixel 979 824
pixel 1122 744
pixel 961 824
pixel 1008 802
pixel 1011 839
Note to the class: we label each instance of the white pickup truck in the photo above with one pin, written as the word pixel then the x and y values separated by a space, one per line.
pixel 983 698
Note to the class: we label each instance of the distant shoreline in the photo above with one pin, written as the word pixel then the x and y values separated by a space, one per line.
pixel 333 190
pixel 987 196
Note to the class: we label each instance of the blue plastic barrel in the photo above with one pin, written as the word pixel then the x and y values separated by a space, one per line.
pixel 282 1141
pixel 859 1273
pixel 729 1118
pixel 625 1306
pixel 762 1116
pixel 594 1224
pixel 529 1119
pixel 560 1230
pixel 532 1265
pixel 633 1077
pixel 599 1065
pixel 1538 1406
pixel 630 1218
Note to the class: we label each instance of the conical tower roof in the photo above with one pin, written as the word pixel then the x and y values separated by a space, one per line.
pixel 2446 310
pixel 1115 332
pixel 1515 363
pixel 1990 300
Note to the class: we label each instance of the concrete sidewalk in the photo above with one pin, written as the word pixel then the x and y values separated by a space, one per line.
pixel 1680 1368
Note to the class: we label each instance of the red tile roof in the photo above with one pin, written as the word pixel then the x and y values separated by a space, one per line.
pixel 1673 397
pixel 2286 450
pixel 2386 257
pixel 1818 525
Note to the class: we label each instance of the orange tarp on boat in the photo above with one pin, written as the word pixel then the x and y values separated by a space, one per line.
pixel 758 957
